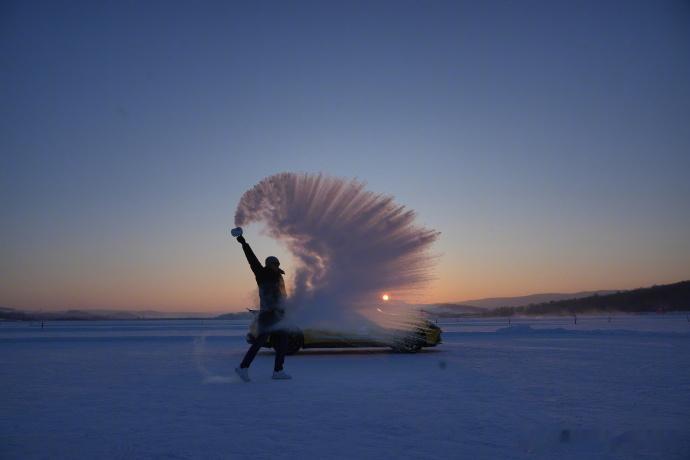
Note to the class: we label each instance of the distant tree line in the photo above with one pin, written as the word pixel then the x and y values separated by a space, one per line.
pixel 11 314
pixel 664 298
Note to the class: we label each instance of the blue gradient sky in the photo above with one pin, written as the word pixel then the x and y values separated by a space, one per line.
pixel 547 141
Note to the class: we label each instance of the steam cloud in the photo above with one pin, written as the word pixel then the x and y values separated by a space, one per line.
pixel 350 244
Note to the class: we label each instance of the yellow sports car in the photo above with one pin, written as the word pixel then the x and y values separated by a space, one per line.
pixel 408 339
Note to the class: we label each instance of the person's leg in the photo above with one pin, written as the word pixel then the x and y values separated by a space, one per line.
pixel 280 343
pixel 253 350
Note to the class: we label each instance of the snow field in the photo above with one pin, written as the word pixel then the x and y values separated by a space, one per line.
pixel 166 389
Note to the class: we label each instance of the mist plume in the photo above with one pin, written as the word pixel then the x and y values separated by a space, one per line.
pixel 350 245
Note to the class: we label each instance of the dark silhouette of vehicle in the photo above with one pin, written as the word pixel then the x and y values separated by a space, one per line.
pixel 408 338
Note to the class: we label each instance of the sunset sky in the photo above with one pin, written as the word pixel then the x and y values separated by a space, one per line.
pixel 547 141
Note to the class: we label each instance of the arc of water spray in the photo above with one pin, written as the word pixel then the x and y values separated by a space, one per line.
pixel 350 244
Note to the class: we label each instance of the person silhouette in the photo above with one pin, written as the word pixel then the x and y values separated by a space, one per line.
pixel 269 279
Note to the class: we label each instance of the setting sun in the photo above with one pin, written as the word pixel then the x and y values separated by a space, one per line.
pixel 385 297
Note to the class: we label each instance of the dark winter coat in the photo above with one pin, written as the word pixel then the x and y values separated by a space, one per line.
pixel 271 289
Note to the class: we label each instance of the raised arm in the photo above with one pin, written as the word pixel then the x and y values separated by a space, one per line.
pixel 251 257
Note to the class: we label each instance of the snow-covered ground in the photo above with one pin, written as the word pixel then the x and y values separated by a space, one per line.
pixel 543 388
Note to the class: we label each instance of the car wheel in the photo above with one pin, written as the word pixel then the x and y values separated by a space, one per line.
pixel 295 343
pixel 407 346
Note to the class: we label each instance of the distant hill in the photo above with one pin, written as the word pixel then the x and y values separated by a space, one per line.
pixel 452 309
pixel 662 298
pixel 519 301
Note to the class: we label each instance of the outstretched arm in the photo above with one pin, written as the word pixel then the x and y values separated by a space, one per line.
pixel 251 257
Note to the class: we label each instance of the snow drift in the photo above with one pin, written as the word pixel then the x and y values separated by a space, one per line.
pixel 350 245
